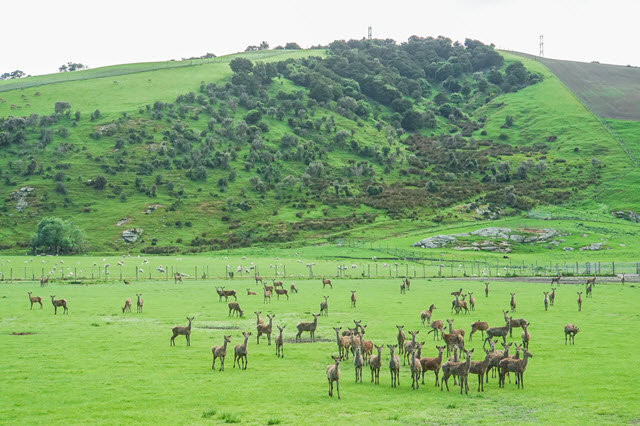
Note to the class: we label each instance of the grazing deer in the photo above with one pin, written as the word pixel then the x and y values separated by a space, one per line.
pixel 44 281
pixel 409 346
pixel 333 375
pixel 588 289
pixel 358 362
pixel 579 300
pixel 280 291
pixel 432 364
pixel 571 331
pixel 460 369
pixel 258 279
pixel 344 342
pixel 267 295
pixel 472 302
pixel 498 332
pixel 486 289
pixel 265 329
pixel 240 352
pixel 375 362
pixel 324 306
pixel 182 331
pixel 517 366
pixel 353 298
pixel 436 326
pixel 280 343
pixel 259 320
pixel 403 288
pixel 401 338
pixel 177 277
pixel 293 288
pixel 127 306
pixel 277 283
pixel 35 299
pixel 556 280
pixel 480 368
pixel 251 293
pixel 126 282
pixel 552 296
pixel 326 282
pixel 526 337
pixel 592 281
pixel 394 366
pixel 546 300
pixel 234 307
pixel 513 302
pixel 478 325
pixel 220 352
pixel 140 303
pixel 308 326
pixel 426 315
pixel 58 303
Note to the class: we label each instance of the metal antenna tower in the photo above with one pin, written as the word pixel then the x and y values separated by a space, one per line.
pixel 541 46
pixel 369 33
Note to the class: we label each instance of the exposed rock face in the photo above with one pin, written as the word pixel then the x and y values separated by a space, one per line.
pixel 567 248
pixel 435 241
pixel 592 247
pixel 123 221
pixel 629 215
pixel 132 235
pixel 20 195
pixel 493 232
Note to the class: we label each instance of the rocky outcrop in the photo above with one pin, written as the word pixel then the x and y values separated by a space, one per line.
pixel 592 247
pixel 629 215
pixel 436 241
pixel 132 235
pixel 20 195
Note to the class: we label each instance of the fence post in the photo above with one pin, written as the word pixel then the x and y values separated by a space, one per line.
pixel 424 271
pixel 284 267
pixel 613 267
pixel 136 272
pixel 196 273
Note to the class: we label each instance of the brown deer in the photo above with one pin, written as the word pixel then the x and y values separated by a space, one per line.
pixel 140 303
pixel 450 340
pixel 58 303
pixel 460 332
pixel 526 336
pixel 496 357
pixel 358 362
pixel 308 326
pixel 556 280
pixel 513 302
pixel 375 362
pixel 258 320
pixel 234 307
pixel 486 289
pixel 267 295
pixel 480 368
pixel 324 306
pixel 227 293
pixel 251 293
pixel 571 331
pixel 265 329
pixel 409 346
pixel 546 300
pixel 176 278
pixel 126 282
pixel 415 367
pixel 460 369
pixel 401 338
pixel 552 296
pixel 277 283
pixel 407 283
pixel 354 341
pixel 498 332
pixel 240 352
pixel 478 325
pixel 517 366
pixel 592 281
pixel 456 293
pixel 622 279
pixel 344 342
pixel 579 300
pixel 220 352
pixel 283 291
pixel 513 323
pixel 35 299
pixel 426 315
pixel 293 288
pixel 333 375
pixel 394 366
pixel 472 302
pixel 44 281
pixel 258 279
pixel 182 331
pixel 220 293
pixel 268 287
pixel 353 298
pixel 436 326
pixel 127 306
pixel 326 282
pixel 588 289
pixel 432 364
pixel 280 343
pixel 403 288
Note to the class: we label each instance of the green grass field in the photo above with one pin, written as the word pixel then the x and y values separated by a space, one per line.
pixel 98 365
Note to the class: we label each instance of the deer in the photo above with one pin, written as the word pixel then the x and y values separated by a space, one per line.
pixel 513 323
pixel 552 296
pixel 324 306
pixel 556 280
pixel 44 281
pixel 333 375
pixel 478 325
pixel 460 369
pixel 277 283
pixel 367 348
pixel 358 362
pixel 258 279
pixel 456 293
pixel 265 329
pixel 182 331
pixel 403 287
pixel 267 295
pixel 459 331
pixel 571 331
pixel 472 302
pixel 227 293
pixel 435 327
pixel 407 283
pixel 35 299
pixel 251 293
pixel 234 308
pixel 517 366
pixel 375 362
pixel 498 332
pixel 326 282
pixel 258 320
pixel 126 282
pixel 280 343
pixel 579 300
pixel 353 298
pixel 409 346
pixel 58 303
pixel 220 352
pixel 588 289
pixel 592 281
pixel 140 303
pixel 354 341
pixel 415 367
pixel 344 342
pixel 426 315
pixel 394 366
pixel 308 326
pixel 127 306
pixel 280 291
pixel 401 337
pixel 177 277
pixel 459 305
pixel 526 337
pixel 220 293
pixel 240 352
pixel 293 288
pixel 546 300
pixel 450 340
pixel 622 279
pixel 359 328
pixel 432 364
pixel 486 289
pixel 513 302
pixel 497 356
pixel 480 368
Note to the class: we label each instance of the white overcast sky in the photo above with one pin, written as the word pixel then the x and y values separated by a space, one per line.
pixel 40 35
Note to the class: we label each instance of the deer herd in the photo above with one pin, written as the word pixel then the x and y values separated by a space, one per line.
pixel 352 340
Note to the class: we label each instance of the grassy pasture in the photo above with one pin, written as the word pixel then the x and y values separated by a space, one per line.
pixel 97 365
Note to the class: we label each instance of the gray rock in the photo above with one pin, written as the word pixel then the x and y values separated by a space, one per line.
pixel 592 247
pixel 21 204
pixel 567 248
pixel 629 215
pixel 516 238
pixel 436 241
pixel 466 248
pixel 492 232
pixel 132 235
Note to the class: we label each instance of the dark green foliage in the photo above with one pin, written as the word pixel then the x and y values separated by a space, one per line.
pixel 241 65
pixel 54 235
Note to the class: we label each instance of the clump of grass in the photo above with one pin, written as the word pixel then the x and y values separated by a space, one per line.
pixel 451 406
pixel 229 418
pixel 208 414
pixel 394 417
pixel 95 324
pixel 274 422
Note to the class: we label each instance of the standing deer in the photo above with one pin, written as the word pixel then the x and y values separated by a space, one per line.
pixel 480 368
pixel 456 293
pixel 526 337
pixel 451 340
pixel 258 320
pixel 280 291
pixel 394 366
pixel 460 369
pixel 324 306
pixel 622 279
pixel 415 367
pixel 177 277
pixel 127 306
pixel 556 280
pixel 426 315
pixel 182 331
pixel 344 342
pixel 552 296
pixel 267 295
pixel 333 375
pixel 472 302
pixel 588 289
pixel 35 299
pixel 571 331
pixel 407 283
pixel 358 362
pixel 353 298
pixel 280 343
pixel 403 287
pixel 258 279
pixel 517 366
pixel 546 300
pixel 58 303
pixel 592 281
pixel 140 302
pixel 308 326
pixel 432 364
pixel 460 332
pixel 409 346
pixel 375 362
pixel 478 325
pixel 401 338
pixel 513 323
pixel 326 282
pixel 44 281
pixel 579 300
pixel 277 283
pixel 436 326
pixel 498 332
pixel 220 352
pixel 240 352
pixel 265 329
pixel 513 302
pixel 486 289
